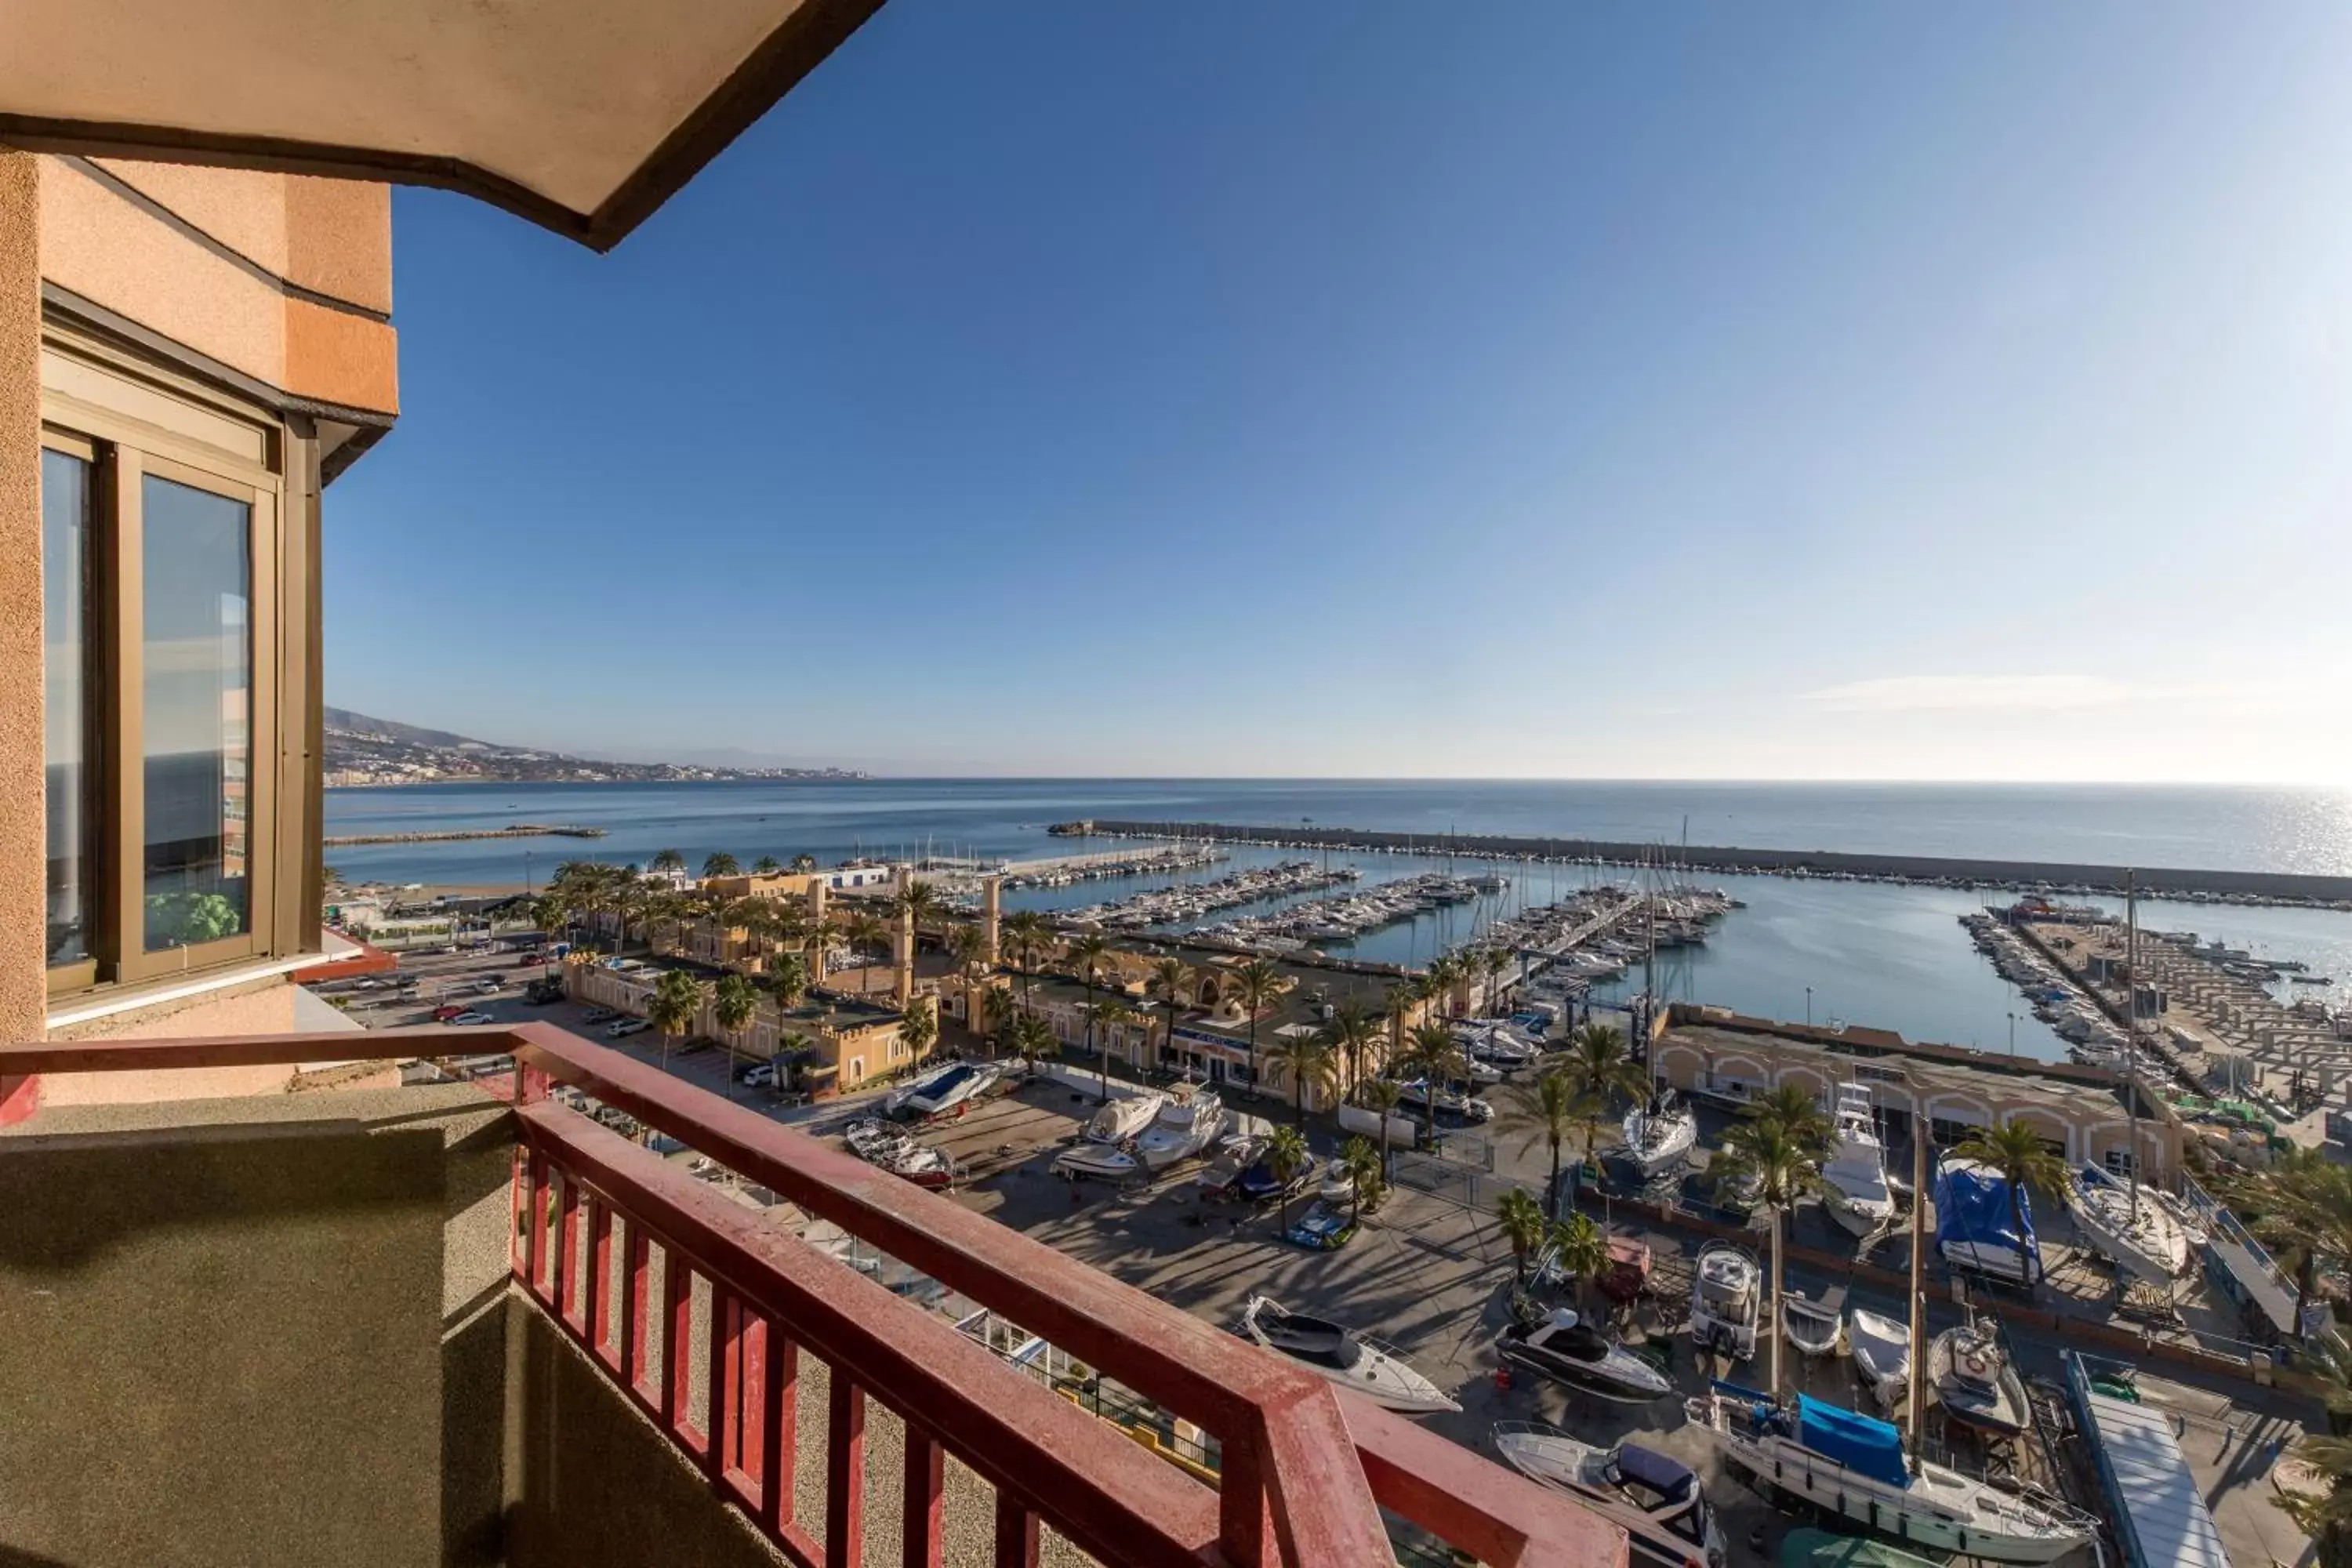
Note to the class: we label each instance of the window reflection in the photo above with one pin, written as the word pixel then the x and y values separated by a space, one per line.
pixel 65 664
pixel 198 712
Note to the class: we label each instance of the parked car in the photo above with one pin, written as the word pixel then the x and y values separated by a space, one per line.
pixel 696 1043
pixel 442 1014
pixel 600 1014
pixel 759 1075
pixel 489 986
pixel 470 1016
pixel 1323 1227
pixel 543 991
pixel 625 1028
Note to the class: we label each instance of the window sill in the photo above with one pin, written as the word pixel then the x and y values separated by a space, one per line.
pixel 109 1001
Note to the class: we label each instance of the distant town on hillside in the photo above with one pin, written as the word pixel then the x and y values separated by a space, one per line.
pixel 365 750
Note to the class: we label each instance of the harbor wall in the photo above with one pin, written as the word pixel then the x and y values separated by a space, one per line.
pixel 2155 881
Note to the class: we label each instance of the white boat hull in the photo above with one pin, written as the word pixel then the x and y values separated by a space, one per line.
pixel 2149 1244
pixel 1652 1150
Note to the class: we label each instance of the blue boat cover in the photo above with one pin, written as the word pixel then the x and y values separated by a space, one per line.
pixel 1648 1468
pixel 1859 1443
pixel 1972 1206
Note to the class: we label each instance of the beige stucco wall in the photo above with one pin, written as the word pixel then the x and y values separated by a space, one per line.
pixel 104 247
pixel 24 897
pixel 265 1008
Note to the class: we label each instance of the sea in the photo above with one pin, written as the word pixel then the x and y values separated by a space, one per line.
pixel 1888 957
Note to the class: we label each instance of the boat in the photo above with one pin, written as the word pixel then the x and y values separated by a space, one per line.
pixel 1415 1092
pixel 889 1148
pixel 1813 1322
pixel 1186 1126
pixel 1120 1120
pixel 1977 1224
pixel 1817 1457
pixel 1324 1227
pixel 1566 1349
pixel 1378 1372
pixel 1658 1134
pixel 1726 1286
pixel 2129 1228
pixel 1258 1183
pixel 1854 1178
pixel 943 1092
pixel 1974 1381
pixel 1333 1184
pixel 1881 1355
pixel 1628 1474
pixel 1808 1548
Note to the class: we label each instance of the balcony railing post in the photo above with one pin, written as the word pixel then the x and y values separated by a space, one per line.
pixel 568 1270
pixel 602 1340
pixel 845 1472
pixel 1245 1525
pixel 721 1351
pixel 677 1335
pixel 921 1516
pixel 780 1416
pixel 536 1247
pixel 1016 1534
pixel 640 1326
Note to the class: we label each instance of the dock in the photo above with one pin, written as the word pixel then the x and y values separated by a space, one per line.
pixel 520 830
pixel 2021 875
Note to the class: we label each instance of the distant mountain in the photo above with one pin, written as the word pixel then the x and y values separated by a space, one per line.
pixel 364 750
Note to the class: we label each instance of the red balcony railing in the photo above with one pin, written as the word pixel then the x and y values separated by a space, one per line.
pixel 1305 1467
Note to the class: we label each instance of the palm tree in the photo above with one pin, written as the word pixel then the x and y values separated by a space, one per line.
pixel 1580 1249
pixel 1379 1095
pixel 766 865
pixel 1785 1167
pixel 676 999
pixel 1362 1164
pixel 2023 1159
pixel 1088 954
pixel 919 1030
pixel 1435 1055
pixel 1557 1111
pixel 788 980
pixel 1350 1030
pixel 1442 974
pixel 817 937
pixel 720 863
pixel 734 1002
pixel 1256 985
pixel 868 934
pixel 804 862
pixel 1307 1061
pixel 666 863
pixel 1110 1013
pixel 1003 1011
pixel 1035 1041
pixel 1287 1155
pixel 1599 1066
pixel 1796 1109
pixel 1523 1227
pixel 1166 982
pixel 1024 935
pixel 964 944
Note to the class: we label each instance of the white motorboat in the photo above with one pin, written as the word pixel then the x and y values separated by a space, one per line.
pixel 1974 1381
pixel 1813 1322
pixel 1854 1188
pixel 1726 1289
pixel 880 1145
pixel 1120 1120
pixel 942 1092
pixel 1334 1185
pixel 1187 1125
pixel 1415 1093
pixel 2129 1228
pixel 1821 1458
pixel 1567 1350
pixel 1657 1135
pixel 1882 1356
pixel 1378 1372
pixel 1627 1476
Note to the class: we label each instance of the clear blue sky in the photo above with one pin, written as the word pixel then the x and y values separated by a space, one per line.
pixel 1522 389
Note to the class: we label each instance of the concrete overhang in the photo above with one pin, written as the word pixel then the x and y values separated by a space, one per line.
pixel 582 115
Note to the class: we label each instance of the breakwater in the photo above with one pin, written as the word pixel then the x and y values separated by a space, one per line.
pixel 520 830
pixel 2298 888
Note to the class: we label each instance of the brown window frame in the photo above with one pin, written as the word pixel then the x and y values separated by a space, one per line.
pixel 123 448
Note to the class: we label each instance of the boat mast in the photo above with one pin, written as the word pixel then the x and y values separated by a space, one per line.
pixel 2131 1032
pixel 1917 1390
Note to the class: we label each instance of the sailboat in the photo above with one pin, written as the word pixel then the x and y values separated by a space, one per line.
pixel 1659 1134
pixel 1855 1188
pixel 2140 1238
pixel 1822 1458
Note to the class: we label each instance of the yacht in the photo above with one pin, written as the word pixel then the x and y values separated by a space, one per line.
pixel 1415 1093
pixel 1664 1489
pixel 1854 1178
pixel 1378 1372
pixel 1567 1350
pixel 1187 1125
pixel 1657 1135
pixel 1977 1224
pixel 1120 1120
pixel 1882 1356
pixel 889 1148
pixel 1726 1286
pixel 1974 1381
pixel 944 1092
pixel 1821 1458
pixel 2129 1228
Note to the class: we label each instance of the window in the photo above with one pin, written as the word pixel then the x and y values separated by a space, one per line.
pixel 1947 1133
pixel 174 611
pixel 2119 1161
pixel 66 649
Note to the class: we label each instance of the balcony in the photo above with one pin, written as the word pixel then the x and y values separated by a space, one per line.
pixel 466 1324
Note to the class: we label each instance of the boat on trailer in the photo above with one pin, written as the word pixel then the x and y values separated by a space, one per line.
pixel 1882 1356
pixel 1659 1134
pixel 1378 1372
pixel 1726 1287
pixel 1819 1457
pixel 1813 1322
pixel 1628 1474
pixel 1566 1349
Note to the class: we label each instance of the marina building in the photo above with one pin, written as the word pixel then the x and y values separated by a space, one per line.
pixel 1710 1054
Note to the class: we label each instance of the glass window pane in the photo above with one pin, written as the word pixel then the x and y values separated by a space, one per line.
pixel 65 666
pixel 198 718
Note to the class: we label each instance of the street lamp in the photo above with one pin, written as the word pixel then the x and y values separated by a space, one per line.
pixel 1808 1007
pixel 2012 1037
